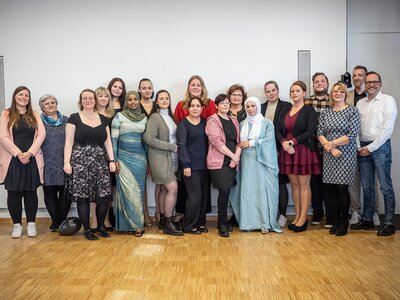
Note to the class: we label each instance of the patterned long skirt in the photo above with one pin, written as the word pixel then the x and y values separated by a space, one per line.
pixel 90 179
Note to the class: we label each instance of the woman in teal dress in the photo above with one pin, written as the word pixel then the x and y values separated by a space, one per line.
pixel 127 140
pixel 256 196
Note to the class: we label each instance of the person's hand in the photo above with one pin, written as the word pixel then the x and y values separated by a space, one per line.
pixel 291 151
pixel 112 166
pixel 187 172
pixel 67 168
pixel 328 146
pixel 176 148
pixel 286 146
pixel 117 167
pixel 244 145
pixel 148 171
pixel 336 153
pixel 363 151
pixel 232 164
pixel 24 157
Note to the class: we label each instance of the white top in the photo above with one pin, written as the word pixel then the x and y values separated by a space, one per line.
pixel 377 119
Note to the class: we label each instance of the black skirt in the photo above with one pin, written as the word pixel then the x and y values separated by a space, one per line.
pixel 90 179
pixel 22 177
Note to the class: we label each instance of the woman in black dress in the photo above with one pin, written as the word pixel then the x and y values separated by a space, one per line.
pixel 21 160
pixel 223 156
pixel 87 149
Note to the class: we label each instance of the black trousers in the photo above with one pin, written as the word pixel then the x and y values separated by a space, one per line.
pixel 319 197
pixel 14 203
pixel 56 203
pixel 223 199
pixel 340 201
pixel 198 188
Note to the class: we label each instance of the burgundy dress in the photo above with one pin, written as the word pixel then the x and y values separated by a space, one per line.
pixel 303 161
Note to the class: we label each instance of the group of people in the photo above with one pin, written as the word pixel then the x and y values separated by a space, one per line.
pixel 101 156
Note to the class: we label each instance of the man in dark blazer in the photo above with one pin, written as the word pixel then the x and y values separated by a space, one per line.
pixel 271 109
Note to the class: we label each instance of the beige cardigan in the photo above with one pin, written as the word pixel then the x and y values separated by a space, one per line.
pixel 8 149
pixel 156 137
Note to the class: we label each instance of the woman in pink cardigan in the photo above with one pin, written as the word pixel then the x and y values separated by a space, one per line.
pixel 223 156
pixel 21 160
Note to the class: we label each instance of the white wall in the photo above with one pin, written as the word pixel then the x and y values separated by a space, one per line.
pixel 374 42
pixel 62 47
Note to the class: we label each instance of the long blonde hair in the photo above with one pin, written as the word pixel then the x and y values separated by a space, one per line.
pixel 110 107
pixel 204 92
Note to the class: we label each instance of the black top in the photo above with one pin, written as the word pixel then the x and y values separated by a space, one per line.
pixel 358 97
pixel 231 137
pixel 85 134
pixel 192 144
pixel 144 111
pixel 304 128
pixel 241 114
pixel 23 135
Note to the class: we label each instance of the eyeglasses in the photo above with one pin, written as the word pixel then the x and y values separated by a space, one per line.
pixel 224 103
pixel 237 95
pixel 375 82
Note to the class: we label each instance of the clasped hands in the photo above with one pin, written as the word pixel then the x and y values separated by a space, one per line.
pixel 24 157
pixel 288 147
pixel 329 147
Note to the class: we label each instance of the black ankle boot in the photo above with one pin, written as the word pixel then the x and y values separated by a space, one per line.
pixel 169 227
pixel 343 228
pixel 223 230
pixel 89 235
pixel 334 227
pixel 161 222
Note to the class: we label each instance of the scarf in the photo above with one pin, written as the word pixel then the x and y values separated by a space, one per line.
pixel 255 121
pixel 50 121
pixel 134 115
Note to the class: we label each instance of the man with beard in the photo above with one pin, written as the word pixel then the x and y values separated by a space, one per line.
pixel 359 73
pixel 320 101
pixel 378 115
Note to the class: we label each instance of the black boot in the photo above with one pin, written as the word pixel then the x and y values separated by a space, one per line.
pixel 169 227
pixel 343 227
pixel 334 227
pixel 161 222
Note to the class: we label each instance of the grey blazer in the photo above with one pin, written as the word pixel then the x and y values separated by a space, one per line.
pixel 156 137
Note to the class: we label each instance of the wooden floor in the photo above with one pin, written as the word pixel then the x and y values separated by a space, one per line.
pixel 309 265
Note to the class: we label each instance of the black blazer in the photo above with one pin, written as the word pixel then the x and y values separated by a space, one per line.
pixel 304 128
pixel 282 105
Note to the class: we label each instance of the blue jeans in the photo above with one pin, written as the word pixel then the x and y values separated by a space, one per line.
pixel 380 161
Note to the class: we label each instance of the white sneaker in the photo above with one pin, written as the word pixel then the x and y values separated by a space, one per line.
pixel 377 220
pixel 17 231
pixel 282 221
pixel 355 218
pixel 31 229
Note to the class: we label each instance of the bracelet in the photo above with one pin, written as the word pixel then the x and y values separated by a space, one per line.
pixel 111 160
pixel 67 162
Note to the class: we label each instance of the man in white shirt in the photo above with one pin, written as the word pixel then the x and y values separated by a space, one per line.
pixel 378 115
pixel 359 92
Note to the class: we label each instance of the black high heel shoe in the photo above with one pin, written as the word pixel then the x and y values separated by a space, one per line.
pixel 102 232
pixel 300 228
pixel 89 235
pixel 291 226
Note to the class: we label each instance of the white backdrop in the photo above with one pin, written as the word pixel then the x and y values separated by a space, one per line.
pixel 62 47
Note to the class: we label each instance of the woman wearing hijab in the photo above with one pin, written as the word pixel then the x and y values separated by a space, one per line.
pixel 131 162
pixel 256 196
